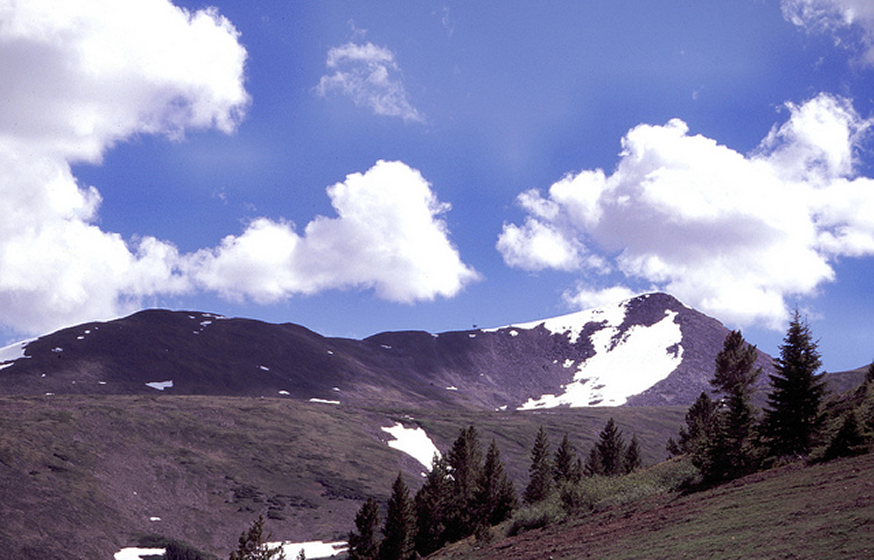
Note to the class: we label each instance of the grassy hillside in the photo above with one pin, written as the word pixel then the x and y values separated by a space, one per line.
pixel 81 476
pixel 821 512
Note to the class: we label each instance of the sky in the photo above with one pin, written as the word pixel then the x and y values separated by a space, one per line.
pixel 357 167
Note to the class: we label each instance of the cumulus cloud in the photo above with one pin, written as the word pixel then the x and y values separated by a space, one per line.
pixel 79 76
pixel 388 235
pixel 370 76
pixel 732 234
pixel 850 21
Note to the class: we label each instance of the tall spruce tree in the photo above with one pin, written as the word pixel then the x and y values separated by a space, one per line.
pixel 564 463
pixel 364 541
pixel 465 464
pixel 540 471
pixel 253 544
pixel 400 524
pixel 792 417
pixel 496 496
pixel 432 504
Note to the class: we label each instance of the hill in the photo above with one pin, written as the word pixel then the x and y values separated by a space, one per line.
pixel 821 512
pixel 82 476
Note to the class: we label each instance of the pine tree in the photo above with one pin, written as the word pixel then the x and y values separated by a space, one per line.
pixel 465 464
pixel 253 546
pixel 698 418
pixel 632 461
pixel 302 555
pixel 593 464
pixel 364 541
pixel 793 414
pixel 400 524
pixel 540 471
pixel 869 373
pixel 611 449
pixel 496 497
pixel 730 445
pixel 432 503
pixel 564 461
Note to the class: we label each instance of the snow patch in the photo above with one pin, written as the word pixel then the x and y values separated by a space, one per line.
pixel 80 337
pixel 160 385
pixel 57 349
pixel 336 389
pixel 638 360
pixel 514 332
pixel 205 323
pixel 572 324
pixel 284 392
pixel 330 352
pixel 452 388
pixel 264 368
pixel 414 442
pixel 471 335
pixel 154 519
pixel 386 346
pixel 568 364
pixel 324 401
pixel 311 549
pixel 13 352
pixel 101 382
pixel 136 553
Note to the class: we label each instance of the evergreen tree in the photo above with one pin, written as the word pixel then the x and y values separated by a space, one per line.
pixel 848 440
pixel 869 373
pixel 253 544
pixel 540 471
pixel 698 418
pixel 593 464
pixel 632 461
pixel 730 445
pixel 564 461
pixel 400 524
pixel 496 496
pixel 432 503
pixel 302 555
pixel 610 449
pixel 364 541
pixel 793 414
pixel 465 464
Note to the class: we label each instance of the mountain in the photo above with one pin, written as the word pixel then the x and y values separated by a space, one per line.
pixel 645 351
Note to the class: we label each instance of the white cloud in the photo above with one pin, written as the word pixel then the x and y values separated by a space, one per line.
pixel 729 233
pixel 850 21
pixel 388 235
pixel 371 77
pixel 79 76
pixel 586 298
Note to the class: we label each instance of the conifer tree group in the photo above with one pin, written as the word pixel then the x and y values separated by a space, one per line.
pixel 463 493
pixel 610 456
pixel 726 438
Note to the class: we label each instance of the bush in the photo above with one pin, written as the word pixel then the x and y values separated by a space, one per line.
pixel 535 516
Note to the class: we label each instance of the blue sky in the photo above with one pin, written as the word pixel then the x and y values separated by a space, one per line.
pixel 536 158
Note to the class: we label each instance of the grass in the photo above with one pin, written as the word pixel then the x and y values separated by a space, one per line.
pixel 80 476
pixel 820 512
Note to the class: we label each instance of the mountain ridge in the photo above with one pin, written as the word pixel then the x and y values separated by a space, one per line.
pixel 649 350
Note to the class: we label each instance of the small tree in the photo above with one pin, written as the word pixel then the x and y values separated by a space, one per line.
pixel 253 545
pixel 793 414
pixel 465 464
pixel 400 525
pixel 610 449
pixel 632 460
pixel 564 462
pixel 302 555
pixel 847 441
pixel 698 418
pixel 869 373
pixel 432 503
pixel 540 471
pixel 496 496
pixel 364 541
